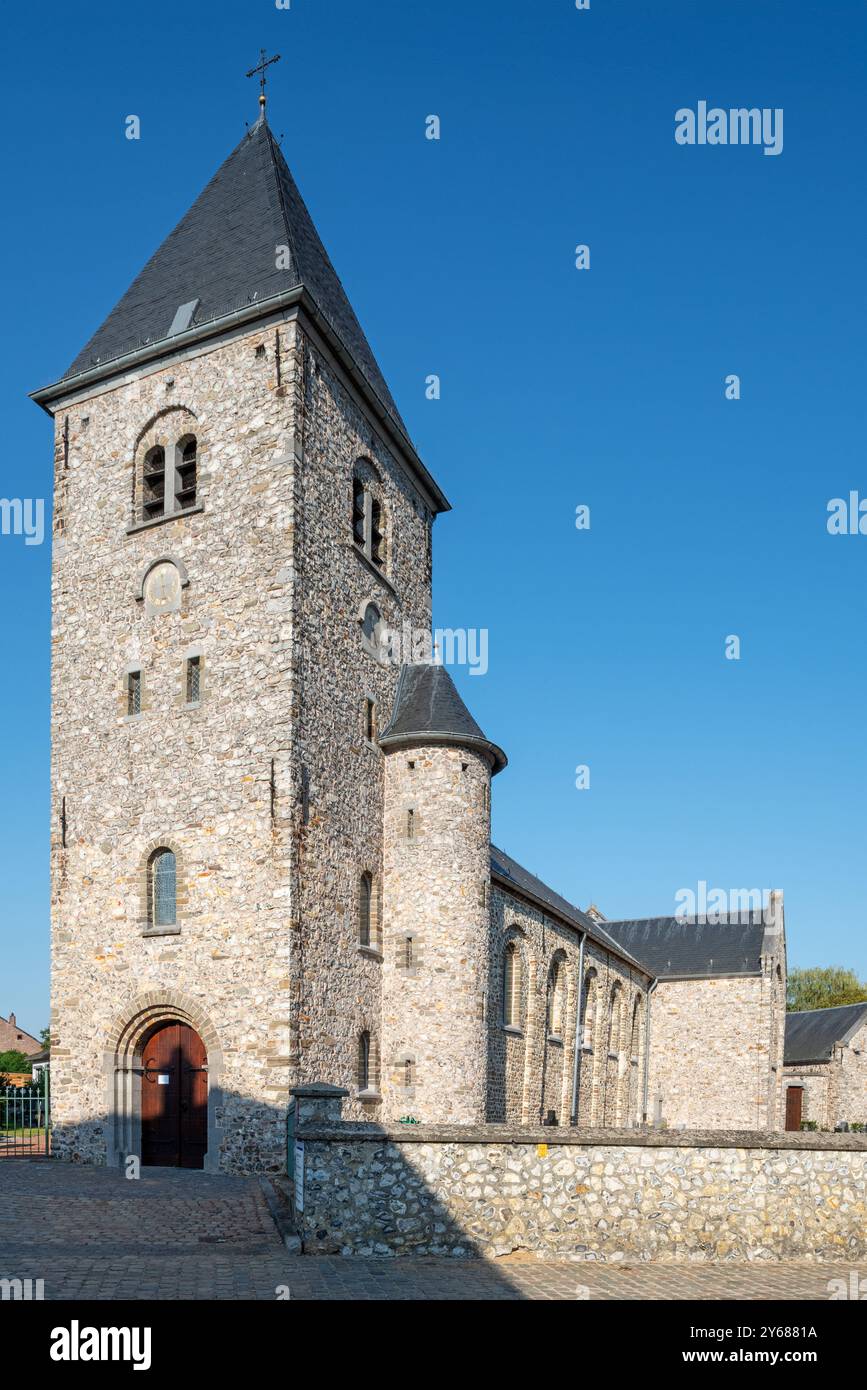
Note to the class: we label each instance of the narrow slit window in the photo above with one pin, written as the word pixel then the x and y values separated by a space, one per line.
pixel 364 1062
pixel 365 910
pixel 408 1077
pixel 133 692
pixel 408 952
pixel 370 721
pixel 410 825
pixel 194 679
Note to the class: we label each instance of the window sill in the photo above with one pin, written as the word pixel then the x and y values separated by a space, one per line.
pixel 374 569
pixel 371 953
pixel 368 1096
pixel 556 1038
pixel 512 1030
pixel 162 931
pixel 161 520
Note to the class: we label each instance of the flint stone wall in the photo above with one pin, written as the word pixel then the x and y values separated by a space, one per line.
pixel 701 1197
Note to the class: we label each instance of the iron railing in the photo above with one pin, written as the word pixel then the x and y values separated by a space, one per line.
pixel 24 1121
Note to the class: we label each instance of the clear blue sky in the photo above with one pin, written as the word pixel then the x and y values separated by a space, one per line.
pixel 559 387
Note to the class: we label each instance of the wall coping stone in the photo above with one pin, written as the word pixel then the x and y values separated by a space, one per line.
pixel 555 1137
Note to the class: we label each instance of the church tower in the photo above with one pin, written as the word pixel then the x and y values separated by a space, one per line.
pixel 239 515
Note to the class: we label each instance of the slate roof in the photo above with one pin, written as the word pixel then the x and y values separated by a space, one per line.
pixel 427 705
pixel 812 1033
pixel 527 884
pixel 675 947
pixel 223 253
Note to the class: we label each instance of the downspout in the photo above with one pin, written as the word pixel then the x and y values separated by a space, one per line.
pixel 576 1061
pixel 647 1053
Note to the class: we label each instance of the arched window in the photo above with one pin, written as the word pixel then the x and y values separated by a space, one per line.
pixel 368 518
pixel 512 986
pixel 154 482
pixel 364 1061
pixel 365 910
pixel 162 889
pixel 589 1009
pixel 556 990
pixel 185 474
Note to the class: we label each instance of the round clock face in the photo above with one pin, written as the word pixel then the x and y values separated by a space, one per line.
pixel 162 589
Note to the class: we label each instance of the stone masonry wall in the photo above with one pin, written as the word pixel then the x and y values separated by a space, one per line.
pixel 712 1049
pixel 265 789
pixel 436 918
pixel 588 1195
pixel 338 982
pixel 530 1071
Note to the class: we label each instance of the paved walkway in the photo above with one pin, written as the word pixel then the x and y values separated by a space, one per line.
pixel 90 1233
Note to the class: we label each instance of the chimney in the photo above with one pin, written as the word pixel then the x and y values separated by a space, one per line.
pixel 11 1020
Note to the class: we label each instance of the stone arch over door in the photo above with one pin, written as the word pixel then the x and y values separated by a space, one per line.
pixel 122 1065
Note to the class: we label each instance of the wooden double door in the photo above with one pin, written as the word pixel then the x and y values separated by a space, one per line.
pixel 174 1098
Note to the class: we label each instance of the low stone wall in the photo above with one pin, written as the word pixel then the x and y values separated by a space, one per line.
pixel 582 1194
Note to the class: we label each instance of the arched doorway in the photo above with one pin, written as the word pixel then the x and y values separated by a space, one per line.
pixel 174 1097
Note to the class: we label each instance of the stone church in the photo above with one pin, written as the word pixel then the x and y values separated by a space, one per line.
pixel 271 854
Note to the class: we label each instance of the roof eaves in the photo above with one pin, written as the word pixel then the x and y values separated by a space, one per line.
pixel 582 924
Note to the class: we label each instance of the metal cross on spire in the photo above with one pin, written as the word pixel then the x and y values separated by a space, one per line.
pixel 264 62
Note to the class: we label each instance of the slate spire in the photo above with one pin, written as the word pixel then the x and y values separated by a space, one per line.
pixel 247 238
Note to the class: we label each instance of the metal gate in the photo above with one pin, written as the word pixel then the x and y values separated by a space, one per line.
pixel 24 1120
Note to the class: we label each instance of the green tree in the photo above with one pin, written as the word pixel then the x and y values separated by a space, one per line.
pixel 45 1037
pixel 13 1061
pixel 822 987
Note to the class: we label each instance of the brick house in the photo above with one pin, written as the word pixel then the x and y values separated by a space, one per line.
pixel 13 1038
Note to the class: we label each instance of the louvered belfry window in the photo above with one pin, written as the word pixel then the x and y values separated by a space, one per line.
pixel 162 889
pixel 154 482
pixel 185 495
pixel 368 522
pixel 358 512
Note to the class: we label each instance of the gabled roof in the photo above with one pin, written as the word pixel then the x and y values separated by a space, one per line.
pixel 428 708
pixel 811 1034
pixel 676 947
pixel 511 874
pixel 222 256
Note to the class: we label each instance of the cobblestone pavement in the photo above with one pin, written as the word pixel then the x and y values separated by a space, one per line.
pixel 92 1234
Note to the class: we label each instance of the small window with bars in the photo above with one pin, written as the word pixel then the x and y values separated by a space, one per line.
pixel 193 679
pixel 133 692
